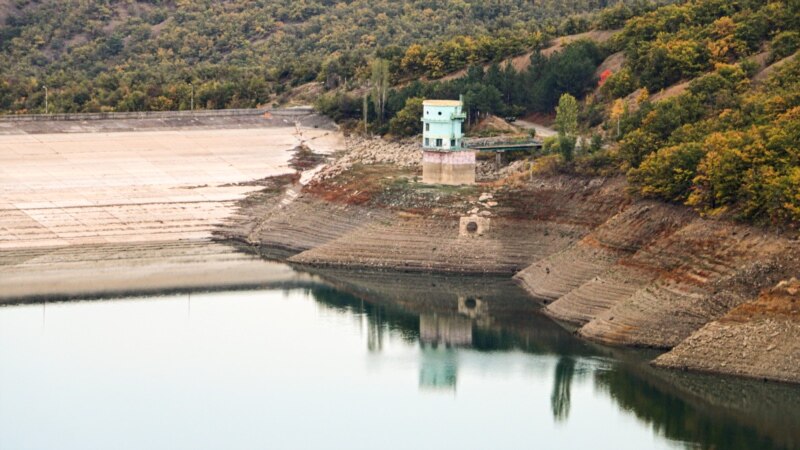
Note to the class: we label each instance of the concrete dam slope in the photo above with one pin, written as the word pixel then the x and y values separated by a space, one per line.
pixel 74 191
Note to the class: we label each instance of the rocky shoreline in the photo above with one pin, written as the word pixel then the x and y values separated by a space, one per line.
pixel 622 271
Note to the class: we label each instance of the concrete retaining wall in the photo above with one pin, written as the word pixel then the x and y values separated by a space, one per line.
pixel 452 168
pixel 291 112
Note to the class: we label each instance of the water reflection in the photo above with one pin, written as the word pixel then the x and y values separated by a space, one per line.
pixel 493 317
pixel 446 330
pixel 409 339
pixel 438 369
pixel 562 382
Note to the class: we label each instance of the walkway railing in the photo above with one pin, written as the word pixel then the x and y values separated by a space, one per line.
pixel 501 143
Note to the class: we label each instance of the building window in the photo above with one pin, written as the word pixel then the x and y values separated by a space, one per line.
pixel 452 143
pixel 427 142
pixel 438 142
pixel 427 127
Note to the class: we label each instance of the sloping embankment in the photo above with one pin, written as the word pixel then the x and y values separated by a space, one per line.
pixel 624 271
pixel 760 339
pixel 655 273
pixel 681 278
pixel 332 233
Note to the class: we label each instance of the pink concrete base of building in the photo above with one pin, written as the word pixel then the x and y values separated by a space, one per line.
pixel 451 167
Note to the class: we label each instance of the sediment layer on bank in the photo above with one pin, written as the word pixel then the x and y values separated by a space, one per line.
pixel 337 227
pixel 625 271
pixel 144 268
pixel 759 339
pixel 621 236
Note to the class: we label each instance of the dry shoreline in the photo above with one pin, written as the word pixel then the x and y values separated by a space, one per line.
pixel 622 271
pixel 146 210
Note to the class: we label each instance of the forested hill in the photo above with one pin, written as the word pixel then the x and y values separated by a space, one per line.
pixel 698 102
pixel 141 55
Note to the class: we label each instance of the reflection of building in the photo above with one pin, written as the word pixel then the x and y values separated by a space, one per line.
pixel 375 330
pixel 438 369
pixel 439 366
pixel 474 308
pixel 452 331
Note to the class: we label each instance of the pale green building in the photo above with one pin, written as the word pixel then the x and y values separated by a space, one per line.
pixel 442 122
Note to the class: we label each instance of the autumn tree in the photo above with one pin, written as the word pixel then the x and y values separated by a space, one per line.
pixel 668 173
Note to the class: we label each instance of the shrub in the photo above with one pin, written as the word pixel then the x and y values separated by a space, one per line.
pixel 406 122
pixel 637 145
pixel 668 173
pixel 784 44
pixel 620 84
pixel 719 173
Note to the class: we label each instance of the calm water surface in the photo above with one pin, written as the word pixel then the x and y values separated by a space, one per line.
pixel 402 363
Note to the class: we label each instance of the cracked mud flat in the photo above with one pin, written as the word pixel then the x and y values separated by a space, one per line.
pixel 78 198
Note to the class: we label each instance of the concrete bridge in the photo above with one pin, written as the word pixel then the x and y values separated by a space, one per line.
pixel 501 148
pixel 502 145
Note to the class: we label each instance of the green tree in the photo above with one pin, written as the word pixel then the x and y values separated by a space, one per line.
pixel 567 125
pixel 407 121
pixel 784 44
pixel 668 173
pixel 567 115
pixel 637 145
pixel 719 174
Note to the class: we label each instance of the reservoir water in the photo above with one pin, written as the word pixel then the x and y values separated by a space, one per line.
pixel 349 360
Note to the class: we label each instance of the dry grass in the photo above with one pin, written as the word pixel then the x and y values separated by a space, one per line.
pixel 672 91
pixel 764 74
pixel 613 63
pixel 493 125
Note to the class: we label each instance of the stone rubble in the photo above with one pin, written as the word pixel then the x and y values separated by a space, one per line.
pixel 364 150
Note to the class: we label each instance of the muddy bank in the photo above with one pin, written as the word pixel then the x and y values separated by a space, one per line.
pixel 113 270
pixel 622 271
pixel 657 291
pixel 369 209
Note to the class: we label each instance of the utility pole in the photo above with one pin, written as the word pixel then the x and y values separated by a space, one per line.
pixel 192 100
pixel 45 99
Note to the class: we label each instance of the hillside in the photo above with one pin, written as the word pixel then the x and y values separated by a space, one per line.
pixel 142 55
pixel 697 102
